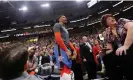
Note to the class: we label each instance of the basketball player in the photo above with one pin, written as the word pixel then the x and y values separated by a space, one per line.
pixel 63 49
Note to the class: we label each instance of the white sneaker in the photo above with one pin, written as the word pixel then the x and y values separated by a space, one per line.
pixel 67 76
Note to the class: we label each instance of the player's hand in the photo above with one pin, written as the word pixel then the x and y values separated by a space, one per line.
pixel 69 54
pixel 74 55
pixel 60 58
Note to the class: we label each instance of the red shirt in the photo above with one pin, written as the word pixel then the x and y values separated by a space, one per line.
pixel 96 49
pixel 78 59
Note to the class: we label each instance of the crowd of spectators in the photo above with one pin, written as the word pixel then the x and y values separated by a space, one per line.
pixel 45 45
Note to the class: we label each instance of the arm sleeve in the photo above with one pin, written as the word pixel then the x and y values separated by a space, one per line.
pixel 71 46
pixel 58 38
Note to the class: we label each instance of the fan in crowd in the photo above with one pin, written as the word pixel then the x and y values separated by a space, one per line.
pixel 119 41
pixel 13 63
pixel 18 62
pixel 32 60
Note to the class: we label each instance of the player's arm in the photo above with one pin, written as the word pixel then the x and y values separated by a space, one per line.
pixel 71 46
pixel 58 37
pixel 74 50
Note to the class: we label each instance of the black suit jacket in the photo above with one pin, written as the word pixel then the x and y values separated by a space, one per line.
pixel 85 53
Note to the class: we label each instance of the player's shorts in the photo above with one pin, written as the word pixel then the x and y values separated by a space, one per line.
pixel 60 52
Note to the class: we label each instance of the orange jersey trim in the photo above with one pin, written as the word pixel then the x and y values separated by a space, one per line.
pixel 60 41
pixel 71 46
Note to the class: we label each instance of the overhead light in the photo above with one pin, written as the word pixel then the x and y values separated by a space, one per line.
pixel 116 14
pixel 98 0
pixel 3 37
pixel 69 28
pixel 27 28
pixel 81 26
pixel 83 18
pixel 47 25
pixel 127 8
pixel 89 16
pixel 8 30
pixel 72 21
pixel 45 5
pixel 118 3
pixel 4 0
pixel 79 0
pixel 103 11
pixel 24 8
pixel 78 20
pixel 36 26
pixel 93 23
pixel 19 35
pixel 39 26
pixel 92 3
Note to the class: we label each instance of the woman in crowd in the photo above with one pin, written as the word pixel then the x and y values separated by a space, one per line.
pixel 96 49
pixel 78 72
pixel 118 62
pixel 32 60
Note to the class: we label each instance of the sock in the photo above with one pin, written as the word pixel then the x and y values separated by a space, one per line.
pixel 65 69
